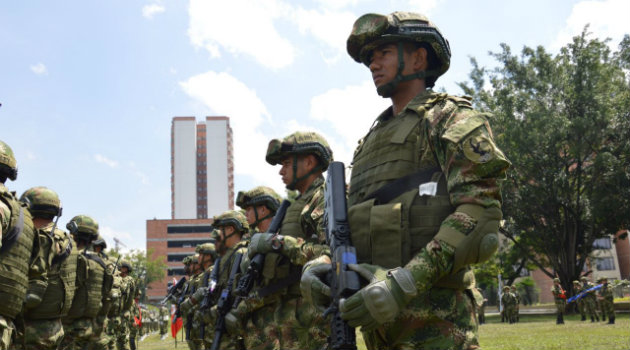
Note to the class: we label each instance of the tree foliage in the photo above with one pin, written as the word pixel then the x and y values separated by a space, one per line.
pixel 564 123
pixel 146 267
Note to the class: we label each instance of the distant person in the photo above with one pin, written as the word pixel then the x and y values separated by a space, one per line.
pixel 606 299
pixel 560 299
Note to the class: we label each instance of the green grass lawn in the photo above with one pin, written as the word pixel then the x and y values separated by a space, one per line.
pixel 532 332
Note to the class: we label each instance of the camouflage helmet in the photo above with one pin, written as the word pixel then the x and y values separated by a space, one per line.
pixel 127 264
pixel 232 218
pixel 583 279
pixel 260 195
pixel 83 226
pixel 100 241
pixel 576 282
pixel 556 280
pixel 42 202
pixel 601 279
pixel 372 30
pixel 186 260
pixel 513 287
pixel 301 142
pixel 8 164
pixel 208 249
pixel 506 288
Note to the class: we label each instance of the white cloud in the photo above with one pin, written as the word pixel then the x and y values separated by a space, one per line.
pixel 144 179
pixel 350 112
pixel 608 19
pixel 325 26
pixel 148 11
pixel 104 160
pixel 224 94
pixel 39 69
pixel 126 238
pixel 241 27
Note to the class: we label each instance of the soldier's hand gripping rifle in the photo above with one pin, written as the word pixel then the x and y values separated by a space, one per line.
pixel 254 271
pixel 173 289
pixel 343 282
pixel 225 303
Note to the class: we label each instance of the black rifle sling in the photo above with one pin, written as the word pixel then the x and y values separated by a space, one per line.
pixel 395 188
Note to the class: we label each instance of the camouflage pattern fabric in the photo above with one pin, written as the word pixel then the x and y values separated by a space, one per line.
pixel 301 325
pixel 77 334
pixel 41 335
pixel 508 299
pixel 260 331
pixel 447 129
pixel 5 217
pixel 577 288
pixel 163 320
pixel 442 319
pixel 560 302
pixel 7 329
pixel 590 301
pixel 607 301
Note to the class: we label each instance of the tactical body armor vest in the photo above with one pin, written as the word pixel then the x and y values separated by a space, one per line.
pixel 391 234
pixel 14 261
pixel 57 299
pixel 89 293
pixel 115 296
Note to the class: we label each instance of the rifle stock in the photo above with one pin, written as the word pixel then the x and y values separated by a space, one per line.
pixel 343 282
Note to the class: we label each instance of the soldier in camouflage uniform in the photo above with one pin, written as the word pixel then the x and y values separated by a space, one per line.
pixel 116 300
pixel 589 300
pixel 186 304
pixel 303 157
pixel 260 205
pixel 135 318
pixel 560 298
pixel 100 339
pixel 122 315
pixel 577 288
pixel 232 225
pixel 92 284
pixel 424 197
pixel 509 305
pixel 606 299
pixel 163 318
pixel 20 259
pixel 49 300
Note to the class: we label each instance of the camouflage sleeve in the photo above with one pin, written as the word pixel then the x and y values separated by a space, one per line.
pixel 473 164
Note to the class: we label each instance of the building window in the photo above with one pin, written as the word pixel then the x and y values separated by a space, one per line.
pixel 176 257
pixel 189 229
pixel 605 264
pixel 188 244
pixel 602 243
pixel 176 271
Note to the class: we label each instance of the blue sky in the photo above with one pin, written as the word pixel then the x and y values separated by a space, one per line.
pixel 89 88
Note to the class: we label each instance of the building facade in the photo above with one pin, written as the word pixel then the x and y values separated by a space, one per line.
pixel 202 186
pixel 202 167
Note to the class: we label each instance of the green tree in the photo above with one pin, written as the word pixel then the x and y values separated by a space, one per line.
pixel 146 268
pixel 563 121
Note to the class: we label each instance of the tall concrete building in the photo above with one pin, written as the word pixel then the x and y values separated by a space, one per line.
pixel 202 167
pixel 202 186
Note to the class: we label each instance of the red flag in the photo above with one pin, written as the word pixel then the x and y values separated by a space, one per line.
pixel 176 324
pixel 138 320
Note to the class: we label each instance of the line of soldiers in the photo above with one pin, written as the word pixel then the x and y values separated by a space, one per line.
pixel 59 290
pixel 424 203
pixel 589 302
pixel 511 300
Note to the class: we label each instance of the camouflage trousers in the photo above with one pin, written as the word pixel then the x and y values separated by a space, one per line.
pixel 7 330
pixel 590 306
pixel 163 327
pixel 441 319
pixel 99 339
pixel 117 334
pixel 78 333
pixel 299 325
pixel 261 333
pixel 40 335
pixel 581 308
pixel 608 308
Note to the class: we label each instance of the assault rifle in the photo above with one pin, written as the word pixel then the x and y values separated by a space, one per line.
pixel 172 290
pixel 209 281
pixel 254 271
pixel 343 282
pixel 224 304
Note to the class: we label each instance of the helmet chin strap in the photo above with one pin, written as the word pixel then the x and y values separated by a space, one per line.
pixel 296 179
pixel 387 90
